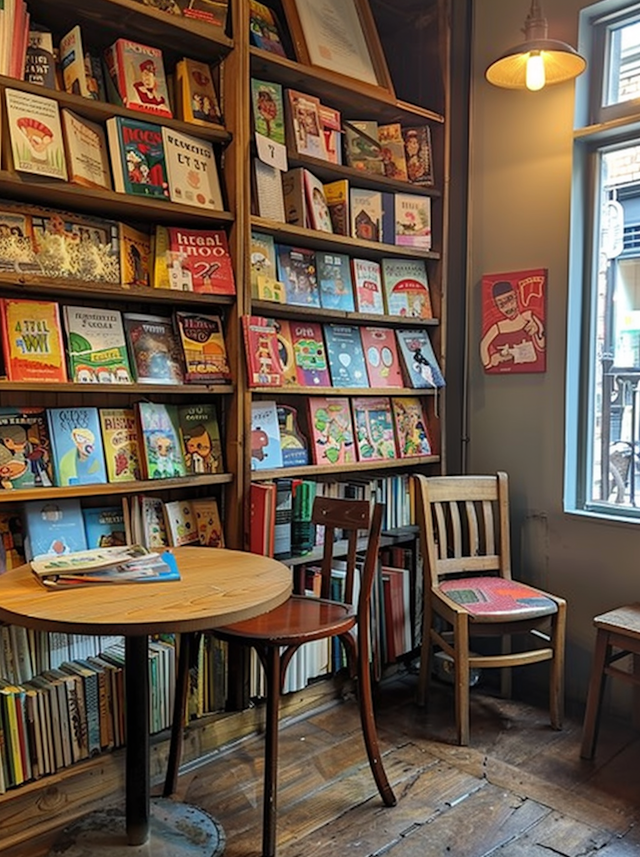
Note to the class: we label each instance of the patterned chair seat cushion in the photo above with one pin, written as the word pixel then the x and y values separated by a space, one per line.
pixel 495 597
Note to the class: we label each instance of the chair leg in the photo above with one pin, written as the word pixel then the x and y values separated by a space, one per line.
pixel 595 696
pixel 506 673
pixel 461 660
pixel 425 651
pixel 269 799
pixel 556 677
pixel 187 642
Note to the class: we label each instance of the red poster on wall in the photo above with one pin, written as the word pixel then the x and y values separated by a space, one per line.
pixel 513 322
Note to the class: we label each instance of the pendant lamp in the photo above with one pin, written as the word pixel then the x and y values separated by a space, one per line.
pixel 538 61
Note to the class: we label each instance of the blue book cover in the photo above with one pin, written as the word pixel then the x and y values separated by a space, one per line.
pixel 346 355
pixel 266 452
pixel 297 271
pixel 53 527
pixel 420 363
pixel 76 446
pixel 334 278
pixel 104 526
pixel 160 434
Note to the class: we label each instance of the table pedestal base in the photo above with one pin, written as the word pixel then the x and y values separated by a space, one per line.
pixel 176 830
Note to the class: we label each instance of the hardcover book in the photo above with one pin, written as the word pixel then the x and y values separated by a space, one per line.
pixel 104 526
pixel 208 523
pixel 87 154
pixel 96 346
pixel 264 277
pixel 309 353
pixel 295 197
pixel 411 427
pixel 154 349
pixel 420 363
pixel 40 63
pixel 264 29
pixel 154 526
pixel 162 456
pixel 362 149
pixel 297 271
pixel 135 256
pixel 294 445
pixel 413 221
pixel 25 451
pixel 32 340
pixel 332 439
pixel 261 348
pixel 367 282
pixel 381 355
pixel 76 446
pixel 193 260
pixel 331 122
pixel 346 357
pixel 140 77
pixel 75 63
pixel 205 353
pixel 35 132
pixel 418 157
pixel 406 287
pixel 192 170
pixel 197 98
pixel 337 197
pixel 137 157
pixel 267 109
pixel 286 354
pixel 366 214
pixel 334 278
pixel 392 151
pixel 200 433
pixel 181 523
pixel 119 430
pixel 317 208
pixel 266 452
pixel 53 528
pixel 303 117
pixel 373 428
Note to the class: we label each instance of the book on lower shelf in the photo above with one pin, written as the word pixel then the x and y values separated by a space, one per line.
pixel 334 279
pixel 120 440
pixel 381 355
pixel 367 285
pixel 420 363
pixel 261 349
pixel 294 445
pixel 76 446
pixel 208 522
pixel 373 428
pixel 104 526
pixel 25 450
pixel 193 260
pixel 137 157
pixel 205 352
pixel 410 422
pixel 87 152
pixel 309 352
pixel 200 434
pixel 53 527
pixel 154 348
pixel 262 517
pixel 406 287
pixel 266 452
pixel 331 426
pixel 346 356
pixel 181 523
pixel 297 272
pixel 162 456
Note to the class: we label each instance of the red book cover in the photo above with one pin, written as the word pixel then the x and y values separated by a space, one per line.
pixel 310 354
pixel 32 340
pixel 203 255
pixel 331 430
pixel 261 346
pixel 381 354
pixel 263 518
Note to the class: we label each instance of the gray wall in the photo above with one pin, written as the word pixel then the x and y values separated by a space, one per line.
pixel 520 185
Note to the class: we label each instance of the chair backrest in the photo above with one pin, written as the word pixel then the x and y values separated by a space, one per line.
pixel 464 525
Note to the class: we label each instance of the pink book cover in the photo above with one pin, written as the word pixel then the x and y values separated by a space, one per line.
pixel 381 355
pixel 331 427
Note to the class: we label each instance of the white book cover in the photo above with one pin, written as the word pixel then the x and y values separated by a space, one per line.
pixel 269 192
pixel 192 170
pixel 413 220
pixel 266 452
pixel 87 153
pixel 406 288
pixel 367 281
pixel 181 523
pixel 316 203
pixel 37 144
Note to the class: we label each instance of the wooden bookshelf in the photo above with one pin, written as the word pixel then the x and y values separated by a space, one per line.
pixel 341 391
pixel 124 389
pixel 342 471
pixel 277 310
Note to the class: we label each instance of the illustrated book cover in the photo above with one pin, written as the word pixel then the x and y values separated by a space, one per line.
pixel 263 28
pixel 420 363
pixel 294 444
pixel 331 425
pixel 196 94
pixel 35 132
pixel 162 456
pixel 303 119
pixel 418 155
pixel 261 351
pixel 139 77
pixel 40 62
pixel 297 271
pixel 331 122
pixel 192 170
pixel 337 196
pixel 296 210
pixel 25 451
pixel 200 434
pixel 392 156
pixel 317 208
pixel 413 221
pixel 285 351
pixel 53 527
pixel 135 256
pixel 267 109
pixel 119 430
pixel 76 446
pixel 208 522
pixel 193 260
pixel 87 152
pixel 367 285
pixel 154 526
pixel 96 346
pixel 309 353
pixel 32 340
pixel 412 433
pixel 406 287
pixel 154 349
pixel 266 452
pixel 373 428
pixel 346 357
pixel 361 146
pixel 75 63
pixel 137 157
pixel 104 526
pixel 334 279
pixel 205 352
pixel 264 273
pixel 381 355
pixel 17 248
pixel 366 214
pixel 181 523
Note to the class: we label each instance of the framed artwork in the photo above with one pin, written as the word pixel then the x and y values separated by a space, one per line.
pixel 514 322
pixel 341 36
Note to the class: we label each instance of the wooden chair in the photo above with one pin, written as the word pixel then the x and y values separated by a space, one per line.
pixel 469 592
pixel 277 635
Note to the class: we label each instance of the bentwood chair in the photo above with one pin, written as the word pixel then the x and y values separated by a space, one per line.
pixel 277 635
pixel 469 591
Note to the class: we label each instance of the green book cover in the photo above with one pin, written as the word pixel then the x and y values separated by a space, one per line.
pixel 96 346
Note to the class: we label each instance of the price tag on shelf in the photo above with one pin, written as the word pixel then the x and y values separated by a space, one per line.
pixel 272 153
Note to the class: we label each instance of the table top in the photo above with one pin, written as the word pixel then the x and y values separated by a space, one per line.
pixel 218 586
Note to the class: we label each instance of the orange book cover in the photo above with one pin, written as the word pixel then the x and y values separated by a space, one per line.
pixel 32 340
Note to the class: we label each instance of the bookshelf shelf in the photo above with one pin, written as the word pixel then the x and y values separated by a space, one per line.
pixel 338 470
pixel 271 309
pixel 390 537
pixel 342 391
pixel 125 389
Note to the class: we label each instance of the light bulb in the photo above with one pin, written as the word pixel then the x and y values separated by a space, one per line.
pixel 535 77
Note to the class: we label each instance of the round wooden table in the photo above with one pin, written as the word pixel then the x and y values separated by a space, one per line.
pixel 217 587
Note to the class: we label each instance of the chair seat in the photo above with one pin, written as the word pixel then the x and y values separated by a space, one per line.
pixel 498 598
pixel 298 619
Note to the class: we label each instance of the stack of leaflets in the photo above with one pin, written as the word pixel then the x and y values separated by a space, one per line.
pixel 124 564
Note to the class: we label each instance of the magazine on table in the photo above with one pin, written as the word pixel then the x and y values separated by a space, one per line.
pixel 122 564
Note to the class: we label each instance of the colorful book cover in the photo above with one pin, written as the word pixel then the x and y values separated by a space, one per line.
pixel 37 144
pixel 362 149
pixel 331 122
pixel 334 279
pixel 263 28
pixel 154 526
pixel 162 456
pixel 332 439
pixel 286 353
pixel 410 421
pixel 25 451
pixel 76 446
pixel 87 153
pixel 32 340
pixel 317 208
pixel 264 275
pixel 140 77
pixel 11 540
pixel 96 346
pixel 154 349
pixel 205 352
pixel 406 288
pixel 295 447
pixel 295 197
pixel 303 117
pixel 418 155
pixel 181 523
pixel 53 528
pixel 192 170
pixel 261 351
pixel 268 109
pixel 210 11
pixel 197 97
pixel 297 271
pixel 420 363
pixel 137 157
pixel 366 214
pixel 135 256
pixel 373 428
pixel 381 355
pixel 266 452
pixel 119 430
pixel 76 77
pixel 392 151
pixel 104 527
pixel 17 248
pixel 367 283
pixel 413 221
pixel 193 260
pixel 309 352
pixel 337 197
pixel 208 522
pixel 200 433
pixel 346 357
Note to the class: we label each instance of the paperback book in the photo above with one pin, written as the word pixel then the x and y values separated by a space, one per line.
pixel 420 363
pixel 200 434
pixel 392 151
pixel 317 208
pixel 296 210
pixel 208 522
pixel 17 248
pixel 268 109
pixel 76 446
pixel 137 71
pixel 32 340
pixel 332 439
pixel 104 526
pixel 40 63
pixel 366 214
pixel 337 197
pixel 331 122
pixel 205 353
pixel 162 456
pixel 285 351
pixel 87 153
pixel 381 355
pixel 411 427
pixel 119 431
pixel 267 192
pixel 373 427
pixel 135 256
pixel 197 97
pixel 77 71
pixel 303 117
pixel 346 357
pixel 417 151
pixel 362 149
pixel 192 170
pixel 309 353
pixel 53 528
pixel 297 272
pixel 261 349
pixel 154 348
pixel 367 282
pixel 154 527
pixel 406 287
pixel 181 523
pixel 264 30
pixel 334 279
pixel 264 277
pixel 137 157
pixel 25 451
pixel 266 452
pixel 114 565
pixel 413 221
pixel 96 346
pixel 193 260
pixel 294 445
pixel 35 132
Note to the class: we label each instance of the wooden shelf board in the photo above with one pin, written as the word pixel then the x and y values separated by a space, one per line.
pixel 341 470
pixel 126 389
pixel 342 391
pixel 286 232
pixel 20 495
pixel 272 309
pixel 340 547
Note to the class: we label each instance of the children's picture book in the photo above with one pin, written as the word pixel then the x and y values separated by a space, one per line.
pixel 154 349
pixel 261 351
pixel 412 432
pixel 35 132
pixel 196 94
pixel 337 196
pixel 40 62
pixel 76 446
pixel 334 279
pixel 418 155
pixel 303 117
pixel 331 122
pixel 96 346
pixel 32 340
pixel 137 157
pixel 366 214
pixel 268 193
pixel 208 522
pixel 406 288
pixel 331 425
pixel 373 428
pixel 295 447
pixel 25 451
pixel 317 208
pixel 87 153
pixel 392 151
pixel 212 12
pixel 420 363
pixel 367 286
pixel 192 170
pixel 264 275
pixel 264 29
pixel 135 256
pixel 104 526
pixel 181 523
pixel 267 109
pixel 381 355
pixel 119 429
pixel 139 77
pixel 200 434
pixel 17 249
pixel 78 74
pixel 286 354
pixel 205 353
pixel 116 565
pixel 346 357
pixel 362 149
pixel 296 209
pixel 266 452
pixel 193 260
pixel 309 353
pixel 297 271
pixel 162 456
pixel 53 528
pixel 153 524
pixel 413 221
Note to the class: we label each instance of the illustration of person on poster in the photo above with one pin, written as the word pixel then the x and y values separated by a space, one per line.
pixel 513 322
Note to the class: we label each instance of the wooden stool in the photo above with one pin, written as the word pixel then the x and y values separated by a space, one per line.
pixel 618 630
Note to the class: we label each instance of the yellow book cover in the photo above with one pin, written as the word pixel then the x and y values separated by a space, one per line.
pixel 337 196
pixel 32 340
pixel 204 348
pixel 208 523
pixel 135 256
pixel 120 440
pixel 197 99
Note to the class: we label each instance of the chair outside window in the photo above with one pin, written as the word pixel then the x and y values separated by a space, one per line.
pixel 469 591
